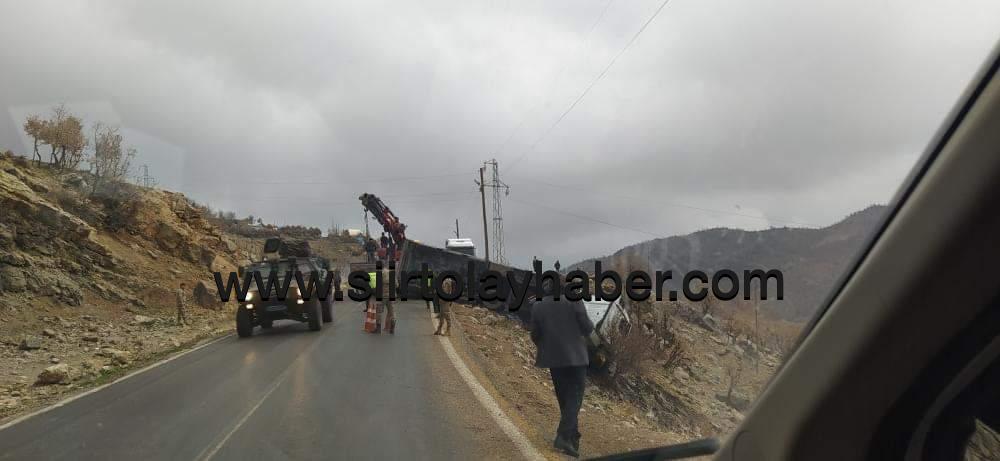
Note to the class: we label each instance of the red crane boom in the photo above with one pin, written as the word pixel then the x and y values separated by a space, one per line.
pixel 389 221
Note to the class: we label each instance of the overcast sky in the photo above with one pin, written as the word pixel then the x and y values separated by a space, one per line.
pixel 721 113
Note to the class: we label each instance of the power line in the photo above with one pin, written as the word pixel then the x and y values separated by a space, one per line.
pixel 555 80
pixel 586 90
pixel 678 205
pixel 428 194
pixel 587 218
pixel 296 201
pixel 366 181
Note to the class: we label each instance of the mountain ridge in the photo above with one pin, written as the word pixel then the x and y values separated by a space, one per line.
pixel 810 259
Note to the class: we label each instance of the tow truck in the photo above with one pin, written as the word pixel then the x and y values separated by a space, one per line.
pixel 389 221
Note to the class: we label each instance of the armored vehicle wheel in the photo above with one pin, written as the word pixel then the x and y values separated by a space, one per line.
pixel 599 361
pixel 244 323
pixel 315 315
pixel 327 311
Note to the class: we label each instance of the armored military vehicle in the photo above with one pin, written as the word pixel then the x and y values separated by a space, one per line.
pixel 283 258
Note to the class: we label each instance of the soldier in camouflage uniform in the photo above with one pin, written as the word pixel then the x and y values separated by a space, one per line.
pixel 181 304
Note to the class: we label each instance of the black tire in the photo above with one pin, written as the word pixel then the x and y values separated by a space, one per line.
pixel 244 323
pixel 600 360
pixel 315 312
pixel 327 311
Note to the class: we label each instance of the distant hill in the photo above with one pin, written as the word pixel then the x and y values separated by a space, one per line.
pixel 811 259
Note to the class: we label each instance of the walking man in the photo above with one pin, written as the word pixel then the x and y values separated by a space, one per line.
pixel 559 329
pixel 181 304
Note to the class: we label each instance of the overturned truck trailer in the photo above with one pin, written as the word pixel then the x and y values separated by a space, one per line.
pixel 439 260
pixel 609 317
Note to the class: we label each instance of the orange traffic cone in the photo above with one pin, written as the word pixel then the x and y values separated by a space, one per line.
pixel 371 319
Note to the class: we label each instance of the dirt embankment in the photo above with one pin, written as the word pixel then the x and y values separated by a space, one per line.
pixel 88 280
pixel 627 411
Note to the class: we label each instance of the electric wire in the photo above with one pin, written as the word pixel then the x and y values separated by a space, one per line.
pixel 586 90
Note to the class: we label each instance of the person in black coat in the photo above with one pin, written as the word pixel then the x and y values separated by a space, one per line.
pixel 370 248
pixel 559 329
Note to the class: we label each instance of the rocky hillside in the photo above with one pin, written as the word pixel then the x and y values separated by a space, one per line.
pixel 87 279
pixel 811 259
pixel 62 244
pixel 705 395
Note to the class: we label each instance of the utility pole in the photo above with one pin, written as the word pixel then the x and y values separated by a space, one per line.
pixel 367 234
pixel 147 180
pixel 456 229
pixel 496 184
pixel 486 229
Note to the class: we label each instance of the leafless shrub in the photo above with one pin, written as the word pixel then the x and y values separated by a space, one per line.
pixel 672 349
pixel 121 202
pixel 708 305
pixel 71 201
pixel 653 341
pixel 734 371
pixel 631 350
pixel 674 355
pixel 111 161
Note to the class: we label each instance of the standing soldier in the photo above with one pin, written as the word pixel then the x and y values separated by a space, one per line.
pixel 431 287
pixel 390 314
pixel 181 297
pixel 444 308
pixel 390 251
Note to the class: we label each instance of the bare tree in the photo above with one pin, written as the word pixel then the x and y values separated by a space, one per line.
pixel 111 162
pixel 35 127
pixel 72 143
pixel 734 371
pixel 51 131
pixel 707 305
pixel 64 135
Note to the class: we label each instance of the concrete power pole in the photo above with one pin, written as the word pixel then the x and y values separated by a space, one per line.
pixel 486 229
pixel 367 234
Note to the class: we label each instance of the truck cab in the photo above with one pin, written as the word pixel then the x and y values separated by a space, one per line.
pixel 464 246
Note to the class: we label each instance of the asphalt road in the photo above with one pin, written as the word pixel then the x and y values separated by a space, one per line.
pixel 287 393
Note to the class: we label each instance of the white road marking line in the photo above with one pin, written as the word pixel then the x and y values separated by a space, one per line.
pixel 215 449
pixel 207 454
pixel 112 383
pixel 486 400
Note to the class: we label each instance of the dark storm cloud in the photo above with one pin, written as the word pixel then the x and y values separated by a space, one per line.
pixel 720 114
